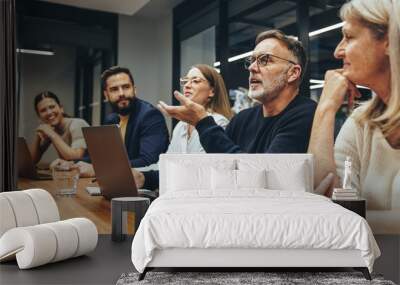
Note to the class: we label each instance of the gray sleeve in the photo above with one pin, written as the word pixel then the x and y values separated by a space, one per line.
pixel 77 139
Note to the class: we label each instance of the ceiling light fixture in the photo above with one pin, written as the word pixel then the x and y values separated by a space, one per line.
pixel 240 56
pixel 316 86
pixel 310 34
pixel 34 51
pixel 326 29
pixel 321 85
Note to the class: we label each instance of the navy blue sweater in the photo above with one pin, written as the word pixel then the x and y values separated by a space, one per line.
pixel 146 135
pixel 251 132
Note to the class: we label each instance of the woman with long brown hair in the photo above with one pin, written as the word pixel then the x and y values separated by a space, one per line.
pixel 205 86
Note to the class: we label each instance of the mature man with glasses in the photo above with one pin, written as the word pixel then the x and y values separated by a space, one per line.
pixel 280 124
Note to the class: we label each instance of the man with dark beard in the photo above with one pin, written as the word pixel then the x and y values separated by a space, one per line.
pixel 280 124
pixel 142 126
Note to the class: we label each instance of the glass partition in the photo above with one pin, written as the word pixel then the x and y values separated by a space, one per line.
pixel 199 48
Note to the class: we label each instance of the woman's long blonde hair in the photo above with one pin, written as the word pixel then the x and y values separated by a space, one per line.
pixel 219 103
pixel 382 17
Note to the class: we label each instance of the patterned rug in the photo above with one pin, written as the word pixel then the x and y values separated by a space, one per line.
pixel 273 278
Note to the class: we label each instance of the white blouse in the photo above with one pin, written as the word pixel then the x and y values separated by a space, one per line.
pixel 182 143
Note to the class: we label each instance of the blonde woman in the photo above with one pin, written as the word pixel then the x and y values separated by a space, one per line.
pixel 205 86
pixel 370 51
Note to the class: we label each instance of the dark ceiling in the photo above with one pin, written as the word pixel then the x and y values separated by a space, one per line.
pixel 244 27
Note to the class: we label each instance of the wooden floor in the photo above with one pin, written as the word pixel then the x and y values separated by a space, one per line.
pixel 95 208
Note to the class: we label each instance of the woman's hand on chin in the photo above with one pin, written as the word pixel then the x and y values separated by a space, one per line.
pixel 45 131
pixel 336 87
pixel 43 139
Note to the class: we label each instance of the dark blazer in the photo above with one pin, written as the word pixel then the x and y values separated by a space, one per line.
pixel 146 134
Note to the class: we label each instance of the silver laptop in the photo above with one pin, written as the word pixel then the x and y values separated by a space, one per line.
pixel 26 167
pixel 110 161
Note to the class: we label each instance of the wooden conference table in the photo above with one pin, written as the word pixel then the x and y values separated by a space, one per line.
pixel 95 208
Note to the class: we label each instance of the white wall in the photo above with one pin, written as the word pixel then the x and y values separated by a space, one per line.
pixel 39 73
pixel 145 47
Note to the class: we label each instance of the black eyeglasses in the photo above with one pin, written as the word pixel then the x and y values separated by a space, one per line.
pixel 262 60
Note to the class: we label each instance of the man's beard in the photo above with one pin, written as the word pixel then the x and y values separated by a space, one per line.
pixel 124 110
pixel 271 89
